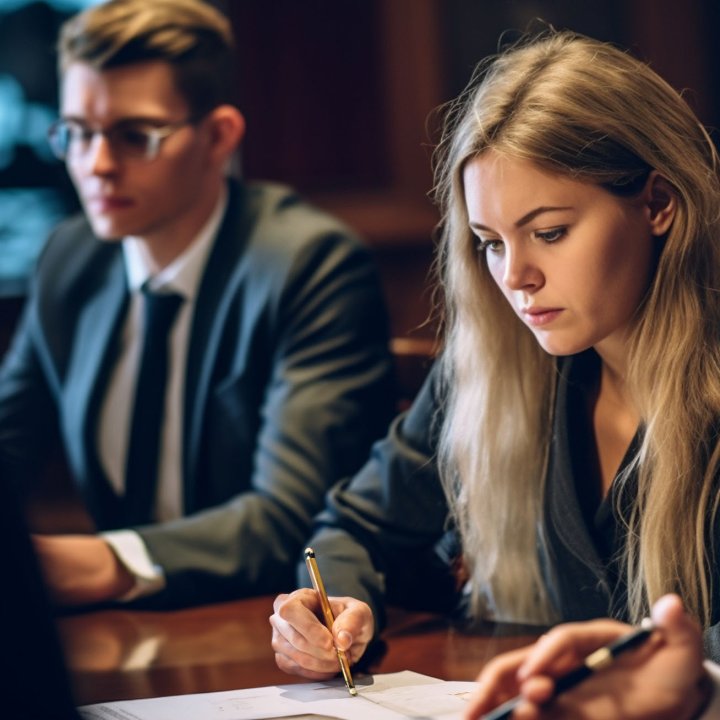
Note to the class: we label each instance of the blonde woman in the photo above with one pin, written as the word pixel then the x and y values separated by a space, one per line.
pixel 564 452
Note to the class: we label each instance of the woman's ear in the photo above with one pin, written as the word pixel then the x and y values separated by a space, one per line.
pixel 661 201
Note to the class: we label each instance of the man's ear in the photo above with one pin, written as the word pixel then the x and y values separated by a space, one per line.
pixel 661 201
pixel 227 129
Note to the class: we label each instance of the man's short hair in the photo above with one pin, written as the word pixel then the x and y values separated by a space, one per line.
pixel 190 35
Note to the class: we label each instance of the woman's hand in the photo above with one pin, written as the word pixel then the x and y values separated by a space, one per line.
pixel 664 678
pixel 304 646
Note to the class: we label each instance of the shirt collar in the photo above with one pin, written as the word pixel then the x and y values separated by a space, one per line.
pixel 183 274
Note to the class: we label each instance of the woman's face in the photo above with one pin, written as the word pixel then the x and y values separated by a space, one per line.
pixel 573 260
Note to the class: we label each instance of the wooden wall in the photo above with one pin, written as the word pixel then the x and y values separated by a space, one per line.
pixel 338 97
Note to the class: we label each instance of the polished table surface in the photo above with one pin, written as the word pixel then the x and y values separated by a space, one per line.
pixel 128 654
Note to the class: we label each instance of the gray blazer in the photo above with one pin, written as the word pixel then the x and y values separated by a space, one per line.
pixel 288 381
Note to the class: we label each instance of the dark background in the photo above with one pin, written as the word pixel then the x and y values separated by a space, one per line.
pixel 338 96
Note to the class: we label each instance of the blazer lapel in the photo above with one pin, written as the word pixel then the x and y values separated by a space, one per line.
pixel 563 513
pixel 93 350
pixel 214 298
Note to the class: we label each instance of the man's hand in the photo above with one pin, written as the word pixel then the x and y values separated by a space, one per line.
pixel 81 569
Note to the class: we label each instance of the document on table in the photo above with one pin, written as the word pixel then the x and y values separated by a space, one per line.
pixel 390 696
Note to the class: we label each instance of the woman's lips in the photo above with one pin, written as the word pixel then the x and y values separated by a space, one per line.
pixel 539 317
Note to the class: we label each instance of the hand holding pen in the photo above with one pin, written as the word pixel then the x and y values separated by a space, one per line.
pixel 302 643
pixel 663 678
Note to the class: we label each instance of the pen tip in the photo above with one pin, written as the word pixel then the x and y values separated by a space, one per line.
pixel 309 553
pixel 353 691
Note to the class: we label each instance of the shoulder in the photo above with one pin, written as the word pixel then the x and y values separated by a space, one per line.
pixel 73 233
pixel 73 257
pixel 72 243
pixel 279 244
pixel 280 221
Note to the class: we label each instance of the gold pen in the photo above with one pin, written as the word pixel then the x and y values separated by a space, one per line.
pixel 328 615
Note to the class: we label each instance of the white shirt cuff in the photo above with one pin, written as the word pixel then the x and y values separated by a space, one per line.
pixel 134 555
pixel 712 711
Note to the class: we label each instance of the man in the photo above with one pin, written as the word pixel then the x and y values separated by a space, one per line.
pixel 268 377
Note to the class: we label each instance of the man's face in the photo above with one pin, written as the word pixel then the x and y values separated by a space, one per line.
pixel 155 199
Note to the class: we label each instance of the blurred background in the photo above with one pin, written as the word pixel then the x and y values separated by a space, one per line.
pixel 339 98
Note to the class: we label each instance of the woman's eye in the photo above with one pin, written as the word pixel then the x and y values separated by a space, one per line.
pixel 550 236
pixel 494 246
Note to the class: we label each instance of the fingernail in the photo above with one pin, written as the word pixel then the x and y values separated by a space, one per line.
pixel 345 639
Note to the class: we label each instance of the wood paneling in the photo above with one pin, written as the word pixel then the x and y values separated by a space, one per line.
pixel 337 97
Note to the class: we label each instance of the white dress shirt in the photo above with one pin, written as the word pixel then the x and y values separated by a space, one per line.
pixel 182 276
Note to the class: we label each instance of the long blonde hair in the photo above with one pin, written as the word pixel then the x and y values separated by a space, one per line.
pixel 585 110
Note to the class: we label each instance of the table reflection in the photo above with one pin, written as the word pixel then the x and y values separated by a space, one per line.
pixel 124 654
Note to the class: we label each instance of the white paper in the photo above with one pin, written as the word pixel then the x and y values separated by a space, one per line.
pixel 380 697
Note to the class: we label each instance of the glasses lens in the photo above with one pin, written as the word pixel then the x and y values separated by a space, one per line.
pixel 59 139
pixel 133 140
pixel 69 138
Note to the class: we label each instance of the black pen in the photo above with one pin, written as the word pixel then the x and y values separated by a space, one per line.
pixel 328 615
pixel 597 660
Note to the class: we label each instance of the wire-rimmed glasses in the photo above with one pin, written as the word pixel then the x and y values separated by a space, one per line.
pixel 70 139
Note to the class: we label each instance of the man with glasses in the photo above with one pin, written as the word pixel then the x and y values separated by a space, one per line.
pixel 212 354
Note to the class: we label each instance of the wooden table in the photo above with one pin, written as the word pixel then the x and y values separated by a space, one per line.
pixel 122 654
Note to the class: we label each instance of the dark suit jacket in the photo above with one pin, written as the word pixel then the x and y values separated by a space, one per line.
pixel 385 535
pixel 288 382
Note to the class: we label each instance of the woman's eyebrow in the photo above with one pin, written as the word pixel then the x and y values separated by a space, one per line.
pixel 525 219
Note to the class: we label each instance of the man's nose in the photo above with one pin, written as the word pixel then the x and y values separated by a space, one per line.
pixel 100 158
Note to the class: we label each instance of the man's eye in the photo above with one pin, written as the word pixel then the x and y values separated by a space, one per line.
pixel 78 133
pixel 133 137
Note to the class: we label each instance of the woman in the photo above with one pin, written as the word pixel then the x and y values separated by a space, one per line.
pixel 572 420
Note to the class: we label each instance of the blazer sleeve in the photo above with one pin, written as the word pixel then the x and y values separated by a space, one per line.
pixel 329 393
pixel 384 535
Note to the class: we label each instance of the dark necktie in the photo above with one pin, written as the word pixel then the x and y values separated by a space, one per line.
pixel 143 457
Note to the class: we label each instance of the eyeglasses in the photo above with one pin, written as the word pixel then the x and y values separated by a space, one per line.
pixel 71 139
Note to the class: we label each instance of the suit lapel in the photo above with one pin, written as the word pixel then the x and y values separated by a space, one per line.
pixel 562 501
pixel 98 325
pixel 582 584
pixel 214 298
